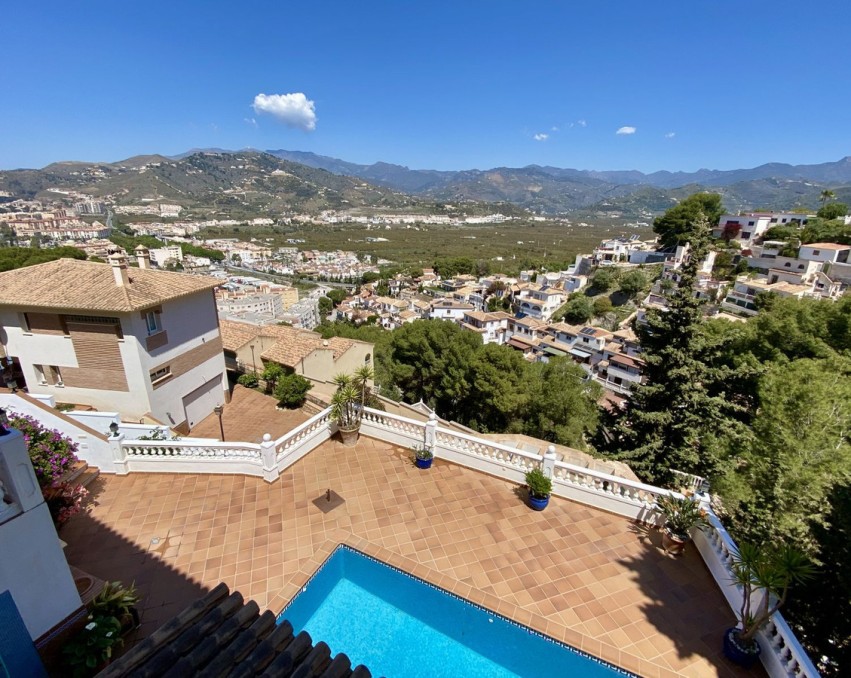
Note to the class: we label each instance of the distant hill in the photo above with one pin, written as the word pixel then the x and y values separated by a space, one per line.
pixel 254 182
pixel 555 189
pixel 244 182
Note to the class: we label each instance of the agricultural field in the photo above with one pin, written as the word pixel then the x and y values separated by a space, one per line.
pixel 515 242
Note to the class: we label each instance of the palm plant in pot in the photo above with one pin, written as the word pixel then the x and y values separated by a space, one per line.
pixel 681 515
pixel 540 488
pixel 764 575
pixel 352 395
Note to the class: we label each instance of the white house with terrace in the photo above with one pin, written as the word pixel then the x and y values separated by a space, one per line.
pixel 140 341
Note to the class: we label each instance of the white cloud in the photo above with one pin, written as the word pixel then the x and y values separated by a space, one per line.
pixel 626 130
pixel 554 129
pixel 670 135
pixel 294 110
pixel 582 123
pixel 250 121
pixel 541 137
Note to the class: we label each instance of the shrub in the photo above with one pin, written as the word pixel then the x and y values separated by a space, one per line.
pixel 602 305
pixel 291 390
pixel 248 380
pixel 539 485
pixel 92 646
pixel 51 453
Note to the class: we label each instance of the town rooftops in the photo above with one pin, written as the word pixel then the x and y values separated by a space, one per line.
pixel 291 345
pixel 222 635
pixel 88 286
pixel 827 246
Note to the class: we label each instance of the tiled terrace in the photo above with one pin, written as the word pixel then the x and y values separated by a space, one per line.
pixel 581 575
pixel 248 416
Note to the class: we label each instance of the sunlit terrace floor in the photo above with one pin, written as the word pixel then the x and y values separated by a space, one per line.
pixel 581 575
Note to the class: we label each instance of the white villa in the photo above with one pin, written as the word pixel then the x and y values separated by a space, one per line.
pixel 142 341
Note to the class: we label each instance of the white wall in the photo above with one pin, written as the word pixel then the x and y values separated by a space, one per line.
pixel 33 567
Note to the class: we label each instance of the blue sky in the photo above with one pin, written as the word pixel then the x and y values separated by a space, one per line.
pixel 445 85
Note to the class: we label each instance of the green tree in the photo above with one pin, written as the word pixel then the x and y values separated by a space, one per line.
pixel 325 306
pixel 291 390
pixel 337 296
pixel 430 360
pixel 675 226
pixel 499 392
pixel 826 195
pixel 605 279
pixel 683 417
pixel 19 257
pixel 801 449
pixel 271 374
pixel 578 310
pixel 563 403
pixel 602 305
pixel 633 283
pixel 833 211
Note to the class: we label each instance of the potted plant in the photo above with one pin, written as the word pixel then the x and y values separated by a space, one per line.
pixel 423 457
pixel 540 488
pixel 352 395
pixel 764 575
pixel 119 601
pixel 681 515
pixel 91 648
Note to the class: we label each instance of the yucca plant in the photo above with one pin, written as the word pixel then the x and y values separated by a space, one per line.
pixel 770 571
pixel 115 599
pixel 352 395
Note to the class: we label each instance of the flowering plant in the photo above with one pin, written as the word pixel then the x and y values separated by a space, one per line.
pixel 51 453
pixel 66 502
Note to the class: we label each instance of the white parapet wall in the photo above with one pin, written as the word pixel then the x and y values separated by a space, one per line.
pixel 92 445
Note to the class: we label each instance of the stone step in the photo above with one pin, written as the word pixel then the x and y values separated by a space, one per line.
pixel 79 473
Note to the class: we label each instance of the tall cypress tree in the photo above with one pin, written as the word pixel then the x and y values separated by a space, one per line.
pixel 680 418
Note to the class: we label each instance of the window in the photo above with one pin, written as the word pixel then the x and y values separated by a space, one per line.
pixel 367 358
pixel 160 374
pixel 48 375
pixel 153 321
pixel 816 252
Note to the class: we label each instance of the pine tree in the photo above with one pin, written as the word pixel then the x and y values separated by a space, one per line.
pixel 680 418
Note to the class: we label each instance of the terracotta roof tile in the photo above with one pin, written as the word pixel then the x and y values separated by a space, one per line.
pixel 88 286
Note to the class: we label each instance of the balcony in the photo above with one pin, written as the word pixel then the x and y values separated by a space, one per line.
pixel 588 571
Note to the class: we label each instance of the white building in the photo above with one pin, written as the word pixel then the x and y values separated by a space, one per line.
pixel 161 255
pixel 449 309
pixel 139 341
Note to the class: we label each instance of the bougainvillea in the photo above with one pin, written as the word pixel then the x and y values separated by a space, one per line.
pixel 51 452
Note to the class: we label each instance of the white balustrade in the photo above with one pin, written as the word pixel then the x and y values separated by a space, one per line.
pixel 293 445
pixel 392 428
pixel 175 456
pixel 782 654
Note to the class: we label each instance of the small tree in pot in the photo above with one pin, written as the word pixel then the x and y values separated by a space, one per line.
pixel 540 488
pixel 765 574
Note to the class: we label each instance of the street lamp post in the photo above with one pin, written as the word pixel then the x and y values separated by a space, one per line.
pixel 253 361
pixel 218 409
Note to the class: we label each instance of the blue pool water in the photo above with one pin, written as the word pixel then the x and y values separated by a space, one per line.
pixel 399 627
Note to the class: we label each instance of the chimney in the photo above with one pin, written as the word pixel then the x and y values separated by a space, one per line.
pixel 143 256
pixel 119 269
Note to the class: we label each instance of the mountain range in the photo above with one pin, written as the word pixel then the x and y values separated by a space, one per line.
pixel 275 181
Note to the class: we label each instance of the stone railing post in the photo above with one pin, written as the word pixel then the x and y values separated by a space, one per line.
pixel 430 433
pixel 119 459
pixel 548 465
pixel 269 457
pixel 16 472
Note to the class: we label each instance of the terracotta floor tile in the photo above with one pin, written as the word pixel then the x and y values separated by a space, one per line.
pixel 573 571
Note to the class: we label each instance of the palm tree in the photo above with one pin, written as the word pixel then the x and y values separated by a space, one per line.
pixel 826 195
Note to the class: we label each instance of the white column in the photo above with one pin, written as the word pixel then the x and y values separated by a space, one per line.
pixel 548 464
pixel 119 458
pixel 269 456
pixel 430 433
pixel 16 472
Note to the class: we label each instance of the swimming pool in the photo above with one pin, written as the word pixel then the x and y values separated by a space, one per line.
pixel 399 626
